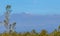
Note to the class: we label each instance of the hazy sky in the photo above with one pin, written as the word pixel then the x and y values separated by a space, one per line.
pixel 32 6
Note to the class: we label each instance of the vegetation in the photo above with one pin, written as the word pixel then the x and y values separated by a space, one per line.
pixel 11 31
pixel 56 32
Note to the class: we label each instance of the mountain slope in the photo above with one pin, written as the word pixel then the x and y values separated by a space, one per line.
pixel 27 22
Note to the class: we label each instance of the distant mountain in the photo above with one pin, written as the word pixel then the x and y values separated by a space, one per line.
pixel 27 22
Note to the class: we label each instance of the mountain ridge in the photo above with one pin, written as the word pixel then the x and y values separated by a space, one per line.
pixel 27 22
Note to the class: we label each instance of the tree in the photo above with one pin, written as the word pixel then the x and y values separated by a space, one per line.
pixel 43 33
pixel 9 27
pixel 33 31
pixel 59 28
pixel 53 33
pixel 7 15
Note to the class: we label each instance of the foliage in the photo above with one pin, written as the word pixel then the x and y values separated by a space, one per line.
pixel 42 33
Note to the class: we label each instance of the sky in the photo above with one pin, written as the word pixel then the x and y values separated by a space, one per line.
pixel 42 7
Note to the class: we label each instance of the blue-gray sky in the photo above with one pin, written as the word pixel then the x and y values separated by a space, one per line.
pixel 32 6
